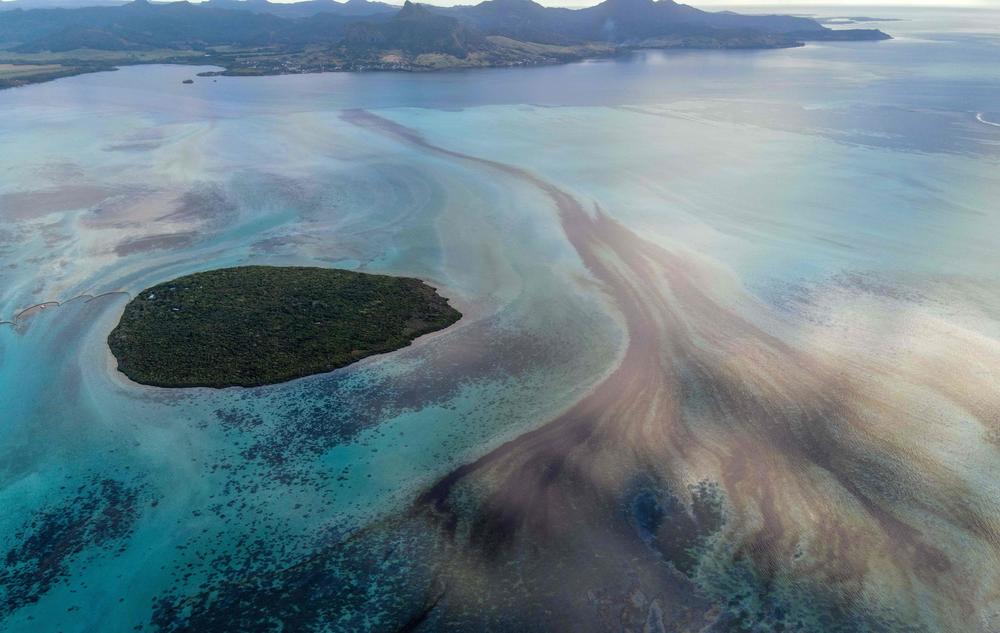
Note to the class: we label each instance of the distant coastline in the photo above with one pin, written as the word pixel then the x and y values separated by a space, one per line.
pixel 250 67
pixel 257 37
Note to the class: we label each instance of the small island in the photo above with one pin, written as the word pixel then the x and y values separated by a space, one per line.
pixel 259 325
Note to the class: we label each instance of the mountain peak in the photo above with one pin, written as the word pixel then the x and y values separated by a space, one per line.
pixel 412 10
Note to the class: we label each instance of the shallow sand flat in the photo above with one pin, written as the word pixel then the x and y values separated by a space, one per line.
pixel 8 71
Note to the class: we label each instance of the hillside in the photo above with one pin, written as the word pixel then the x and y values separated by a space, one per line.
pixel 260 37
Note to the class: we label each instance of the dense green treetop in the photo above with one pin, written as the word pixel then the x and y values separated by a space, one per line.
pixel 257 325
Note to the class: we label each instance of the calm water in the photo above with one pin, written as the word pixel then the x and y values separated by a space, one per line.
pixel 730 357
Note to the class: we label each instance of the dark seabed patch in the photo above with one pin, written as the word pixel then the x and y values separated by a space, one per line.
pixel 96 521
pixel 256 591
pixel 313 416
pixel 154 243
pixel 206 203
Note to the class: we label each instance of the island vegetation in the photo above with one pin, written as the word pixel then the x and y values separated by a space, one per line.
pixel 259 325
pixel 256 37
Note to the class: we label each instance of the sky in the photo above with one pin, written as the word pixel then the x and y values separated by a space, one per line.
pixel 846 3
pixel 717 4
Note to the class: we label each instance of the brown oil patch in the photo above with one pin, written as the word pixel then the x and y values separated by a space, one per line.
pixel 28 205
pixel 823 485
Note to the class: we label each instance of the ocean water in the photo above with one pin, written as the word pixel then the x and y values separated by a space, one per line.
pixel 729 360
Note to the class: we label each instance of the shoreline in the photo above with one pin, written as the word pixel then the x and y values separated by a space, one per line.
pixel 234 67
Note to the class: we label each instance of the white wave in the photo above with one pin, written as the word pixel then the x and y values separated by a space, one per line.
pixel 982 119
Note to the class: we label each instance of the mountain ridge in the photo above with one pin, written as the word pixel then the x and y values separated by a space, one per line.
pixel 254 37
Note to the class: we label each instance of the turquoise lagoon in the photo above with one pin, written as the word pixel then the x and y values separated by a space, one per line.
pixel 840 199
